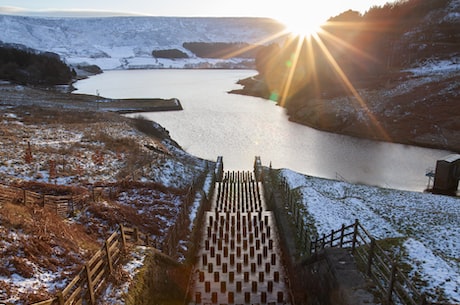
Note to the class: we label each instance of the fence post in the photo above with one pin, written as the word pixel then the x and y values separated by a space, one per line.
pixel 342 233
pixel 60 298
pixel 136 235
pixel 123 237
pixel 391 284
pixel 355 235
pixel 371 256
pixel 92 299
pixel 332 238
pixel 109 258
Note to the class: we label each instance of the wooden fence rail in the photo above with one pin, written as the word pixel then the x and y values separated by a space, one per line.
pixel 92 278
pixel 392 283
pixel 61 205
pixel 394 286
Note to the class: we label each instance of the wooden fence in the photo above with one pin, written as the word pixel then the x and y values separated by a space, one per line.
pixel 61 205
pixel 65 205
pixel 392 283
pixel 296 211
pixel 90 281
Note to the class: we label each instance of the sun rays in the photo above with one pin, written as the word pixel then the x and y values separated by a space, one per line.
pixel 305 64
pixel 309 64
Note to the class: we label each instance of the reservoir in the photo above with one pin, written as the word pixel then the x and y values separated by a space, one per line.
pixel 215 123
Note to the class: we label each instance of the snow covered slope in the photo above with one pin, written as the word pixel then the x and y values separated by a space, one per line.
pixel 128 42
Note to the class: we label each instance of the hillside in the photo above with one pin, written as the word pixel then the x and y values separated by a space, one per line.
pixel 419 108
pixel 420 231
pixel 128 42
pixel 392 74
pixel 59 144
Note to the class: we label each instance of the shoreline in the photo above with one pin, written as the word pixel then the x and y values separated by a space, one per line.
pixel 429 126
pixel 58 99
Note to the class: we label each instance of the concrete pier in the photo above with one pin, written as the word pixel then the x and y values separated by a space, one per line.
pixel 239 261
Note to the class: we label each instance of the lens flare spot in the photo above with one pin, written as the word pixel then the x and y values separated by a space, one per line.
pixel 274 96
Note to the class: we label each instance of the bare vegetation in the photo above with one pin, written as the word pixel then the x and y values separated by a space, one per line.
pixel 64 146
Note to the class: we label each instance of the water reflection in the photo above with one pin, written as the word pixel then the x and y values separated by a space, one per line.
pixel 238 128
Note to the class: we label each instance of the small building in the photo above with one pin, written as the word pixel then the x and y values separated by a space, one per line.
pixel 447 175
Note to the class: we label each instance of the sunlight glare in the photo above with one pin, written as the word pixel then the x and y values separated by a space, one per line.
pixel 302 24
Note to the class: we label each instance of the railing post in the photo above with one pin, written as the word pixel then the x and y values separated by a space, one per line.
pixel 391 283
pixel 355 235
pixel 371 256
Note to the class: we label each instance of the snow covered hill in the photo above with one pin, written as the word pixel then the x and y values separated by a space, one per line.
pixel 425 225
pixel 128 42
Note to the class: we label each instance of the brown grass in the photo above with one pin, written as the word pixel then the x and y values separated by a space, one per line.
pixel 44 239
pixel 31 234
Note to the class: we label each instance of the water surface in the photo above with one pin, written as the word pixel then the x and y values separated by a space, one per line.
pixel 215 123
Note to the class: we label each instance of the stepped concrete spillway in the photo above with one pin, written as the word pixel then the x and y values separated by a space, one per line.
pixel 239 259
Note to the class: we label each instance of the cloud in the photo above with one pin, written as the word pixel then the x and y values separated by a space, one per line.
pixel 12 10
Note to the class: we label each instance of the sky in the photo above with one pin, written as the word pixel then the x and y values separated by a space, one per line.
pixel 283 10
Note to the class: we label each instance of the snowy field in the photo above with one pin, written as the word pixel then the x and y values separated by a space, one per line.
pixel 428 225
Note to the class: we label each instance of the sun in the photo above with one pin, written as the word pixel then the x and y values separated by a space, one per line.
pixel 303 24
